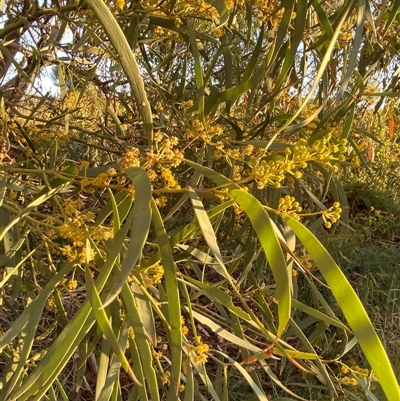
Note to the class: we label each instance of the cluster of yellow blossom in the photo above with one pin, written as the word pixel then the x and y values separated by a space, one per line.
pixel 273 169
pixel 236 153
pixel 165 378
pixel 346 32
pixel 167 153
pixel 120 4
pixel 50 303
pixel 156 354
pixel 198 7
pixel 153 274
pixel 131 336
pixel 162 348
pixel 72 284
pixel 305 261
pixel 184 328
pixel 100 180
pixel 161 201
pixel 72 206
pixel 268 10
pixel 75 230
pixel 157 164
pixel 130 158
pixel 44 136
pixel 350 381
pixel 78 229
pixel 356 371
pixel 201 351
pixel 75 253
pixel 170 180
pixel 360 372
pixel 332 215
pixel 206 132
pixel 89 184
pixel 289 205
pixel 71 100
pixel 12 195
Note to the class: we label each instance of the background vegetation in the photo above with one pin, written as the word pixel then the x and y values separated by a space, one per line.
pixel 175 204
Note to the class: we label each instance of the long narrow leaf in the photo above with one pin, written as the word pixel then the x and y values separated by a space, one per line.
pixel 174 307
pixel 352 309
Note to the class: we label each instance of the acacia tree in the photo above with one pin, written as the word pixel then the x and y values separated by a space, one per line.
pixel 164 204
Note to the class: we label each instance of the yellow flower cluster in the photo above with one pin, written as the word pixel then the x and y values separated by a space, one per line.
pixel 346 32
pixel 77 230
pixel 131 336
pixel 170 180
pixel 131 158
pixel 71 99
pixel 153 275
pixel 50 303
pixel 120 4
pixel 306 261
pixel 89 185
pixel 72 284
pixel 360 372
pixel 165 378
pixel 355 370
pixel 156 354
pixel 236 154
pixel 161 201
pixel 131 191
pixel 332 215
pixel 206 133
pixel 289 205
pixel 85 164
pixel 184 328
pixel 350 381
pixel 72 206
pixel 199 7
pixel 74 253
pixel 268 10
pixel 42 136
pixel 201 351
pixel 12 195
pixel 167 153
pixel 273 170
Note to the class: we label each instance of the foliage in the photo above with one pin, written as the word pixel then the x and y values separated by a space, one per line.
pixel 374 270
pixel 159 209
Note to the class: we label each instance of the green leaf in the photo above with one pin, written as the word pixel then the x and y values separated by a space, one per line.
pixel 258 392
pixel 225 334
pixel 222 9
pixel 352 308
pixel 174 306
pixel 140 230
pixel 292 49
pixel 358 39
pixel 198 71
pixel 103 319
pixel 208 233
pixel 141 340
pixel 219 295
pixel 264 228
pixel 128 63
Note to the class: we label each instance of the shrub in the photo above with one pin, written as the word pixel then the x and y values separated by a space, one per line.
pixel 158 210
